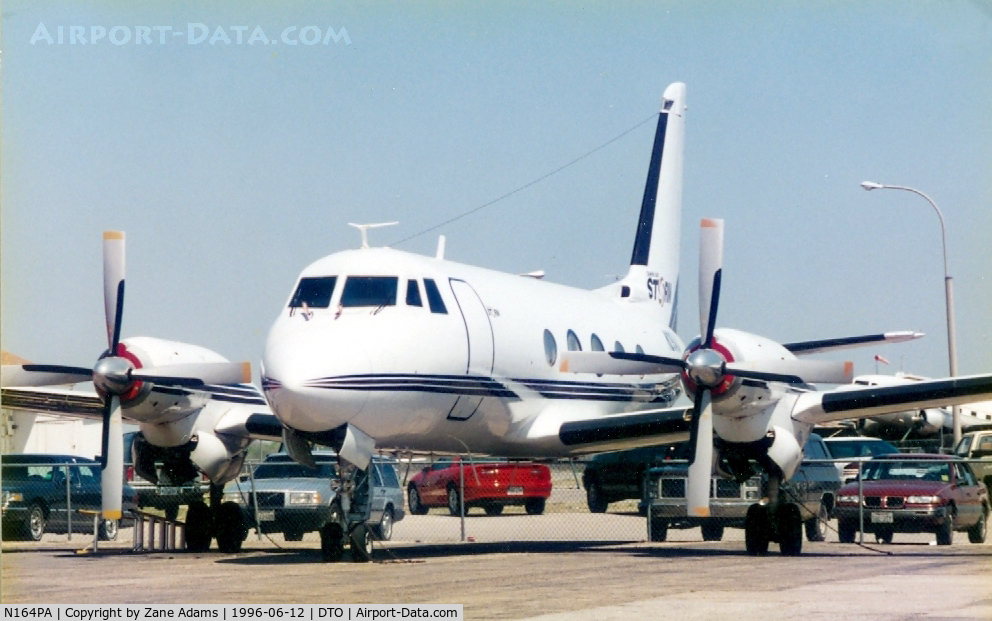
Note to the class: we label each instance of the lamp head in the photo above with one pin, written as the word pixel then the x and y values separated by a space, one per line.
pixel 871 185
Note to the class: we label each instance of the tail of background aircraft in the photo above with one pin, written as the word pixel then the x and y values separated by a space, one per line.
pixel 654 264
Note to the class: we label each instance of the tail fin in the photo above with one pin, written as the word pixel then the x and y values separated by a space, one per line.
pixel 654 263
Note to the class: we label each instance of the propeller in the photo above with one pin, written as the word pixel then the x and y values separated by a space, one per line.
pixel 114 375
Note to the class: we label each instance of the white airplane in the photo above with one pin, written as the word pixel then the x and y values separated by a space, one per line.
pixel 925 422
pixel 382 347
pixel 196 411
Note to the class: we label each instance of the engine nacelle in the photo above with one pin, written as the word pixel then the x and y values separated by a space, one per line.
pixel 785 452
pixel 212 456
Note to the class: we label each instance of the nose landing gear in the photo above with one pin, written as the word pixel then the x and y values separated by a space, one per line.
pixel 776 521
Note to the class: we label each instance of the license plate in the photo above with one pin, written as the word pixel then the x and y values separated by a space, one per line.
pixel 881 517
pixel 515 491
pixel 266 516
pixel 168 491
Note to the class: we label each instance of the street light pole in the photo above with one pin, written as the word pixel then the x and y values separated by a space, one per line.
pixel 948 295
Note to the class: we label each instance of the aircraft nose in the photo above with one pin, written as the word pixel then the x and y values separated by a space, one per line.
pixel 308 377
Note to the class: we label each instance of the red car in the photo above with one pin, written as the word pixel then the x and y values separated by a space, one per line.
pixel 490 485
pixel 915 493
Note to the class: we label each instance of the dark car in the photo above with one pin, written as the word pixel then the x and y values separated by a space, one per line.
pixel 616 476
pixel 914 493
pixel 45 493
pixel 812 488
pixel 167 495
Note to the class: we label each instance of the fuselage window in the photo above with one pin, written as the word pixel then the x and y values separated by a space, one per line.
pixel 573 342
pixel 413 293
pixel 434 297
pixel 369 291
pixel 315 292
pixel 617 347
pixel 550 348
pixel 595 344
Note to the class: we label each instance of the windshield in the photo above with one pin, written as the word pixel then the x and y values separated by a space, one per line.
pixel 315 292
pixel 860 448
pixel 908 471
pixel 369 291
pixel 295 471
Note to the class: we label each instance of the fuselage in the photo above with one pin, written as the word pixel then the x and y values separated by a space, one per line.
pixel 427 354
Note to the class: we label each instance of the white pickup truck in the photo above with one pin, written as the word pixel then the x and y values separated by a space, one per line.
pixel 977 446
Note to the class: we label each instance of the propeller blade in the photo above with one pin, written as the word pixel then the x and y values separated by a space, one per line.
pixel 195 374
pixel 112 460
pixel 42 375
pixel 701 467
pixel 617 363
pixel 710 268
pixel 113 285
pixel 795 371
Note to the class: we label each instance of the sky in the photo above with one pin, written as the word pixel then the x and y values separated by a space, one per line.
pixel 231 166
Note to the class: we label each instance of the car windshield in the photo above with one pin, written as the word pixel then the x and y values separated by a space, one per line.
pixel 294 470
pixel 860 448
pixel 908 471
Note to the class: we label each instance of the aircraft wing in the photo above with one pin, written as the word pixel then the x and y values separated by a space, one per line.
pixel 869 401
pixel 815 347
pixel 625 431
pixel 75 403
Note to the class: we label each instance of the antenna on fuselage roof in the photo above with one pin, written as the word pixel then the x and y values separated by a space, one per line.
pixel 364 228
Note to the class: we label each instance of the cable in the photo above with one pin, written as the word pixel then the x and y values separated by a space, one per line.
pixel 526 185
pixel 798 501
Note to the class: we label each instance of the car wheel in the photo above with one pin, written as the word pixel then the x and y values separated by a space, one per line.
pixel 883 535
pixel 385 527
pixel 816 528
pixel 945 532
pixel 35 525
pixel 535 506
pixel 977 533
pixel 331 542
pixel 199 527
pixel 231 531
pixel 493 509
pixel 454 502
pixel 361 544
pixel 756 527
pixel 108 530
pixel 790 528
pixel 594 498
pixel 293 535
pixel 712 531
pixel 659 530
pixel 413 499
pixel 846 531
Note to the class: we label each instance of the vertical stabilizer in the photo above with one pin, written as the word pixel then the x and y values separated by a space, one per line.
pixel 654 263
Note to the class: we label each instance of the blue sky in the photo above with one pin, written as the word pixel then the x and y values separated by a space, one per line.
pixel 231 167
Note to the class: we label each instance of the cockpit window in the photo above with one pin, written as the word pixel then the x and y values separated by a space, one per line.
pixel 413 293
pixel 369 291
pixel 315 292
pixel 434 297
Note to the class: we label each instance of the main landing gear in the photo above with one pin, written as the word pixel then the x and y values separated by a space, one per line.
pixel 221 520
pixel 773 521
pixel 348 525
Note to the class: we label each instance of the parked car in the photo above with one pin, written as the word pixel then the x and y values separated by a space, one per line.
pixel 977 446
pixel 856 449
pixel 915 493
pixel 166 496
pixel 491 485
pixel 812 489
pixel 294 500
pixel 40 495
pixel 616 476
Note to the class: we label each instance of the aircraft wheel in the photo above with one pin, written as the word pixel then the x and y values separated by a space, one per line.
pixel 331 542
pixel 756 530
pixel 231 531
pixel 361 544
pixel 199 527
pixel 790 528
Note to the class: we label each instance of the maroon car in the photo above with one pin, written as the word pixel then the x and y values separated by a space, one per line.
pixel 915 493
pixel 490 485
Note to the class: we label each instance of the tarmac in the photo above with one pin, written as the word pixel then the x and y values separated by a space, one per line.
pixel 551 567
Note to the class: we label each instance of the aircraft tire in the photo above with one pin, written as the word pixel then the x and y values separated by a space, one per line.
pixel 199 527
pixel 361 544
pixel 790 528
pixel 231 531
pixel 756 527
pixel 331 542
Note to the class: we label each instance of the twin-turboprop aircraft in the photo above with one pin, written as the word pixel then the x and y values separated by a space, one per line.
pixel 382 347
